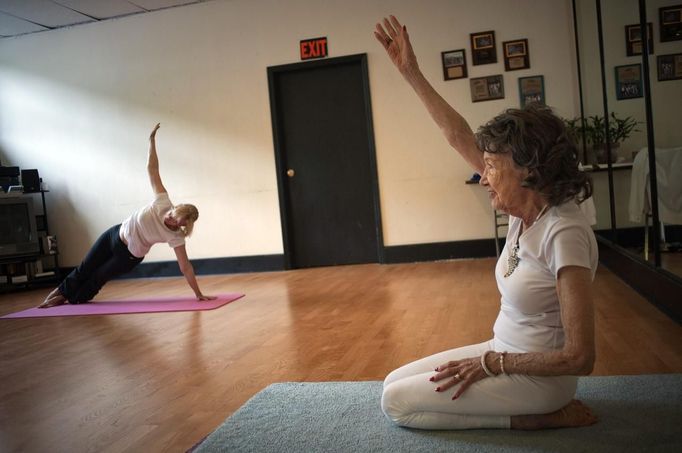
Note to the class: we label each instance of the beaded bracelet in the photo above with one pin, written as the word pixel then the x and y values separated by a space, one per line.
pixel 485 367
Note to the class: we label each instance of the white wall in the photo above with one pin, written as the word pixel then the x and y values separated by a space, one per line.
pixel 78 104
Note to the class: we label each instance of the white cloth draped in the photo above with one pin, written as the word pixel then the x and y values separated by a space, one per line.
pixel 669 177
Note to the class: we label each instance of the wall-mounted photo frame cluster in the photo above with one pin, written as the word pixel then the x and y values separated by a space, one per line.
pixel 484 51
pixel 669 67
pixel 670 29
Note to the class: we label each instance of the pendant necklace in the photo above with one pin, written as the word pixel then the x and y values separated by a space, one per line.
pixel 513 258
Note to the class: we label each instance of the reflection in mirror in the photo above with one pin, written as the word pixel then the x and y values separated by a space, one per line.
pixel 666 99
pixel 627 126
pixel 630 223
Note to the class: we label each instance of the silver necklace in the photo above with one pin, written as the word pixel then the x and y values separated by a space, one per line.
pixel 513 259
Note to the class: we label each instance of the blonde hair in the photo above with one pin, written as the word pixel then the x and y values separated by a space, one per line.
pixel 187 212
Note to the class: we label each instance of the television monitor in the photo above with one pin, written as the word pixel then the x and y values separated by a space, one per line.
pixel 18 233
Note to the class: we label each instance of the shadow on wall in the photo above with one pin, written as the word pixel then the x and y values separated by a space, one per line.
pixel 73 224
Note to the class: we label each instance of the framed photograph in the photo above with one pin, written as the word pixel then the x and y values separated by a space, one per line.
pixel 487 88
pixel 670 25
pixel 516 55
pixel 483 49
pixel 532 89
pixel 454 64
pixel 669 67
pixel 629 81
pixel 633 39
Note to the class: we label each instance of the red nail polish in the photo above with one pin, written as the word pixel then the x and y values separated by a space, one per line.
pixel 454 397
pixel 431 379
pixel 438 389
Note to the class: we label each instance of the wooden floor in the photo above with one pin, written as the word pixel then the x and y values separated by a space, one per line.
pixel 161 382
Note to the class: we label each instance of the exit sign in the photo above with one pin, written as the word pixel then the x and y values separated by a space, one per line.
pixel 313 48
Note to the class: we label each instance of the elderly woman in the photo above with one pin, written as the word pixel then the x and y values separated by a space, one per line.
pixel 525 377
pixel 122 247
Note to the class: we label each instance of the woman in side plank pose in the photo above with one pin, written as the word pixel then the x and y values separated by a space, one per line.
pixel 122 247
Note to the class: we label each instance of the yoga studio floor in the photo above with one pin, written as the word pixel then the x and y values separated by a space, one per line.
pixel 160 382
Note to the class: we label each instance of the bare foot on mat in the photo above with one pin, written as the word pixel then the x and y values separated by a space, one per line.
pixel 573 415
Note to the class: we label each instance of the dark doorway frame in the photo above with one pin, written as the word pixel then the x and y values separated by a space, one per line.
pixel 273 72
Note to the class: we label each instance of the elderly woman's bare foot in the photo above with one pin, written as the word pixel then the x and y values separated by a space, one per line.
pixel 572 415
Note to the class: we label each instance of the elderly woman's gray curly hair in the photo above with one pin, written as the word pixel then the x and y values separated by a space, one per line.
pixel 538 140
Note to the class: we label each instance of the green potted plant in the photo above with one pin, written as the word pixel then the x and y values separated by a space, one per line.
pixel 594 128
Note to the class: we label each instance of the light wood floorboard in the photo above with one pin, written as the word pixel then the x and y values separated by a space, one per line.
pixel 161 382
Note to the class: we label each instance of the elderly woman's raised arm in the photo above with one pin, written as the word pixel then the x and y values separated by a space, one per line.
pixel 394 38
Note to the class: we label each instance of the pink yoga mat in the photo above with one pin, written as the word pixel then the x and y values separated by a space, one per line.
pixel 113 307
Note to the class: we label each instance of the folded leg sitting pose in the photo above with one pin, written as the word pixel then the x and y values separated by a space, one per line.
pixel 525 377
pixel 122 247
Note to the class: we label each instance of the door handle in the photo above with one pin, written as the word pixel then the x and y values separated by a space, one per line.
pixel 291 172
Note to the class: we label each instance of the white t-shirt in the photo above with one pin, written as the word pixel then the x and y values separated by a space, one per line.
pixel 530 315
pixel 145 227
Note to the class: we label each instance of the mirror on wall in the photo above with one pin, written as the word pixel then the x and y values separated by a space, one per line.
pixel 623 194
pixel 666 99
pixel 623 67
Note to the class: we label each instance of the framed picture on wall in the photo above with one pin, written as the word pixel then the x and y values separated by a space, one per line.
pixel 628 81
pixel 670 25
pixel 454 64
pixel 487 88
pixel 532 89
pixel 483 49
pixel 516 55
pixel 669 67
pixel 633 39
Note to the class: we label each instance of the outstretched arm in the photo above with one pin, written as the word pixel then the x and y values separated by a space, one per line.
pixel 153 163
pixel 394 38
pixel 188 271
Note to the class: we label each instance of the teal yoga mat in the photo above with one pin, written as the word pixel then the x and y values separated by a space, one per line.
pixel 636 414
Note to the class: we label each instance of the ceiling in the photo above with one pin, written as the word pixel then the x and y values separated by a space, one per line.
pixel 20 17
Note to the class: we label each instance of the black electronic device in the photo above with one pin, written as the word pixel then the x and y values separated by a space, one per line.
pixel 8 181
pixel 9 176
pixel 30 180
pixel 11 172
pixel 18 232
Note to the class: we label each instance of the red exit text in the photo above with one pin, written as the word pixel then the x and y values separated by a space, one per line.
pixel 313 48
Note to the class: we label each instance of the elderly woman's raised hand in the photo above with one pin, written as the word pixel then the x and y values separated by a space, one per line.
pixel 153 133
pixel 393 36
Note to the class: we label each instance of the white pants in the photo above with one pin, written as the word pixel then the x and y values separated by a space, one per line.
pixel 409 398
